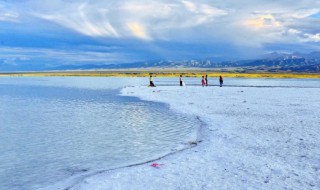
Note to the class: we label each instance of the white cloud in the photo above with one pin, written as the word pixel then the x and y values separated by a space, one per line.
pixel 12 55
pixel 303 13
pixel 78 18
pixel 212 11
pixel 299 36
pixel 10 61
pixel 201 13
pixel 190 6
pixel 138 30
pixel 147 20
pixel 242 24
pixel 294 31
pixel 149 9
pixel 263 22
pixel 202 21
pixel 7 13
pixel 312 37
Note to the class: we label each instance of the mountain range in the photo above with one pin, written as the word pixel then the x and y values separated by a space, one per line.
pixel 272 62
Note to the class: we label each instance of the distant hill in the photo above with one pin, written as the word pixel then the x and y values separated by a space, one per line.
pixel 272 62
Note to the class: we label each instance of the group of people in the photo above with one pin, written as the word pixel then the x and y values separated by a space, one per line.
pixel 204 81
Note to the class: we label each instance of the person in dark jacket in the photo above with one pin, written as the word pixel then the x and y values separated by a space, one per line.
pixel 206 79
pixel 151 81
pixel 221 81
pixel 181 84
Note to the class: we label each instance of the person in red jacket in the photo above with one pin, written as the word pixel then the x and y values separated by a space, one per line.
pixel 221 81
pixel 203 81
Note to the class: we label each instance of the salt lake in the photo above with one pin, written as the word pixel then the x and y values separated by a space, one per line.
pixel 52 128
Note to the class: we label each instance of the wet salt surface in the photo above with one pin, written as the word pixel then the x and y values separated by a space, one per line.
pixel 54 127
pixel 244 82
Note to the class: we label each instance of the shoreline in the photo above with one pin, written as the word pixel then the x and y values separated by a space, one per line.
pixel 201 137
pixel 71 182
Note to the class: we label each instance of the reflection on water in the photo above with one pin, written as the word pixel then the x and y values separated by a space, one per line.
pixel 48 133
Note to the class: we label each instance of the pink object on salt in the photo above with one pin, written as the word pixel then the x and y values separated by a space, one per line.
pixel 156 165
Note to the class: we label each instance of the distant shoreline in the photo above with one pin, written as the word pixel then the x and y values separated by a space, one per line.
pixel 162 73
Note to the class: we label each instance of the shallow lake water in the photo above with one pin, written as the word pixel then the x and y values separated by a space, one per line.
pixel 52 128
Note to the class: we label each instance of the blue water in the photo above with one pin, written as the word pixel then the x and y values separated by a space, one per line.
pixel 52 128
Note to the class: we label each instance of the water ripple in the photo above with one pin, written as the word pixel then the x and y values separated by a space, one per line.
pixel 48 133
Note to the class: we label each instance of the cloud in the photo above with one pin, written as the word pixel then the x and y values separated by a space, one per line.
pixel 11 55
pixel 77 19
pixel 312 37
pixel 7 13
pixel 141 10
pixel 200 13
pixel 10 61
pixel 165 27
pixel 263 22
pixel 190 6
pixel 294 31
pixel 202 8
pixel 303 36
pixel 126 19
pixel 138 30
pixel 303 13
pixel 212 11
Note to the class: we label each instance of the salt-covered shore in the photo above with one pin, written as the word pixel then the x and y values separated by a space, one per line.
pixel 254 138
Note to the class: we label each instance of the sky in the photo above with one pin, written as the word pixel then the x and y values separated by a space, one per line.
pixel 62 32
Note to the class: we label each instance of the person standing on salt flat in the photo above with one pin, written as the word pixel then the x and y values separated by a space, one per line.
pixel 221 81
pixel 151 81
pixel 203 82
pixel 206 79
pixel 181 82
